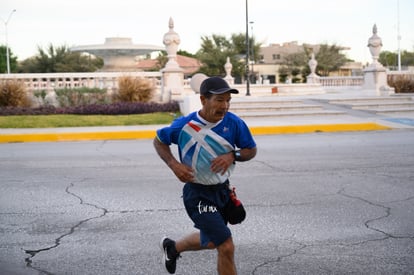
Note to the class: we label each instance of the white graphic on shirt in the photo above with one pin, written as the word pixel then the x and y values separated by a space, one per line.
pixel 199 146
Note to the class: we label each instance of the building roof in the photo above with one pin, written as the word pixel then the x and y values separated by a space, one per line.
pixel 188 64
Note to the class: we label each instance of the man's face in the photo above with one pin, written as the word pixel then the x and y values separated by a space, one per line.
pixel 215 107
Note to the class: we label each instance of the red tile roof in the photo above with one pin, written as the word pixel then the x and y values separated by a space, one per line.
pixel 188 64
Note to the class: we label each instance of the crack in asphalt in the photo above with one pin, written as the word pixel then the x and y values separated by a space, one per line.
pixel 34 252
pixel 275 168
pixel 150 210
pixel 100 149
pixel 387 213
pixel 280 257
pixel 367 223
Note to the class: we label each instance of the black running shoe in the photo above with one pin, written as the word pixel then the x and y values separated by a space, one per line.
pixel 170 254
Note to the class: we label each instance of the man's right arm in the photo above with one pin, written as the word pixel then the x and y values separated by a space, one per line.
pixel 183 172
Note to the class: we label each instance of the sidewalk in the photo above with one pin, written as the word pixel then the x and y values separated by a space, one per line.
pixel 351 120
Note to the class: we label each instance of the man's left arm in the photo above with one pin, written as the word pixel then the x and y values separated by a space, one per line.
pixel 223 162
pixel 244 154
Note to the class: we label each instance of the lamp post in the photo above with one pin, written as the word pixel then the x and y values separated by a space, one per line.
pixel 7 45
pixel 398 36
pixel 247 52
pixel 253 59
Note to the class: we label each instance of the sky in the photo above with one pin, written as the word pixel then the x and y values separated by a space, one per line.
pixel 347 23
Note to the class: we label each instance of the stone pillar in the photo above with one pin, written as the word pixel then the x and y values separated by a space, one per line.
pixel 375 75
pixel 313 77
pixel 228 67
pixel 172 74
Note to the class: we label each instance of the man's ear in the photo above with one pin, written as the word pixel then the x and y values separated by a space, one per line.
pixel 203 99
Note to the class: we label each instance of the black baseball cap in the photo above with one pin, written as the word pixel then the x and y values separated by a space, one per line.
pixel 216 85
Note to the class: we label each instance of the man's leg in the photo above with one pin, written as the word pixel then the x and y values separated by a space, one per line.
pixel 225 258
pixel 191 242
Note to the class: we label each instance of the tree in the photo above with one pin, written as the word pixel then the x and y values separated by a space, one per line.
pixel 216 48
pixel 213 54
pixel 185 53
pixel 388 59
pixel 59 59
pixel 329 59
pixel 162 59
pixel 407 58
pixel 3 60
pixel 284 72
pixel 295 64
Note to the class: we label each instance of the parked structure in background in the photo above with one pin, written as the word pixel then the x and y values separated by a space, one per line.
pixel 273 56
pixel 118 53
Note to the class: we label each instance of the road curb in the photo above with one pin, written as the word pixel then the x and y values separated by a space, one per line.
pixel 314 128
pixel 149 134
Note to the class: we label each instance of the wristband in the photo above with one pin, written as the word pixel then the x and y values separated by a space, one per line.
pixel 237 155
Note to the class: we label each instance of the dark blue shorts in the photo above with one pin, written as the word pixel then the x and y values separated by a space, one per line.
pixel 204 205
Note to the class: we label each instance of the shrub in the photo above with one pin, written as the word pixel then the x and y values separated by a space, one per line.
pixel 81 96
pixel 41 94
pixel 120 108
pixel 13 93
pixel 17 111
pixel 134 90
pixel 283 74
pixel 402 83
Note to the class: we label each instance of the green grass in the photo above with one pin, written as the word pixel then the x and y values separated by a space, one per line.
pixel 55 121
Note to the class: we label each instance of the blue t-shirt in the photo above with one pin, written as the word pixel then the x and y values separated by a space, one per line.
pixel 231 127
pixel 200 141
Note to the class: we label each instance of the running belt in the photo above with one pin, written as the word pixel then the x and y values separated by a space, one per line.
pixel 199 146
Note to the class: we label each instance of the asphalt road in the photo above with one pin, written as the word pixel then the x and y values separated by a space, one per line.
pixel 321 203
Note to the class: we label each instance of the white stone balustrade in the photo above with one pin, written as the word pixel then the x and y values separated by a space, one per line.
pixel 337 81
pixel 108 80
pixel 102 80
